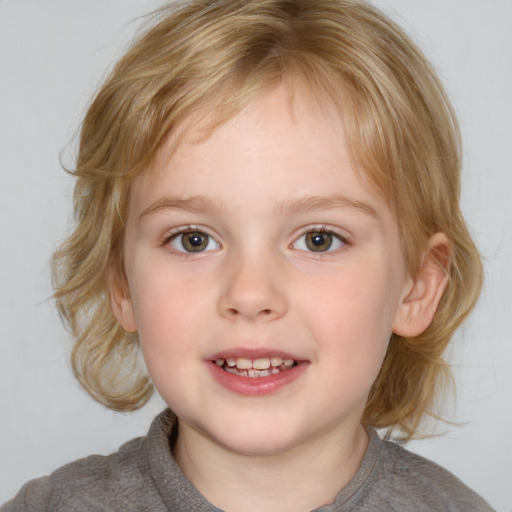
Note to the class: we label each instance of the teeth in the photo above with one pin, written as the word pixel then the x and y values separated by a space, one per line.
pixel 262 363
pixel 262 373
pixel 243 364
pixel 259 367
pixel 234 371
pixel 276 361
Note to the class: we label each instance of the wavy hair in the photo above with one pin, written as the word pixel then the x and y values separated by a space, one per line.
pixel 214 57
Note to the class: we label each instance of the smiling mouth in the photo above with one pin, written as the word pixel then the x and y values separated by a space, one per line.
pixel 254 368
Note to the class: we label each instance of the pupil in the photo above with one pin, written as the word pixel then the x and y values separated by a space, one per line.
pixel 318 241
pixel 195 242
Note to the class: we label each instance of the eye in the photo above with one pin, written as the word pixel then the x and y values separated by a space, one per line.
pixel 320 240
pixel 193 241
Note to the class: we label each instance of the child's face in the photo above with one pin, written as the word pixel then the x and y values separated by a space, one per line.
pixel 286 256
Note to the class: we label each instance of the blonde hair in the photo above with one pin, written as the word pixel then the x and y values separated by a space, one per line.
pixel 214 57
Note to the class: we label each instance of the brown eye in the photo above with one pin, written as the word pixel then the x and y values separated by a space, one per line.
pixel 318 241
pixel 193 241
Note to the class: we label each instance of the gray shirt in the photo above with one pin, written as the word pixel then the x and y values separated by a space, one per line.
pixel 143 476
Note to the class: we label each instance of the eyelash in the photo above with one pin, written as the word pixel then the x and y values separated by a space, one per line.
pixel 175 233
pixel 324 230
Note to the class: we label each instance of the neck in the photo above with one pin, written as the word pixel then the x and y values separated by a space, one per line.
pixel 299 479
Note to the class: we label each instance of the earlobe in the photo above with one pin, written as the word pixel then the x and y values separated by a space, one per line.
pixel 122 305
pixel 417 309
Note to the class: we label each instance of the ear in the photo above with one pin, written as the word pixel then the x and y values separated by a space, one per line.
pixel 417 309
pixel 121 302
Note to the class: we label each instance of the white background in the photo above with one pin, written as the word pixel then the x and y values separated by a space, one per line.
pixel 53 54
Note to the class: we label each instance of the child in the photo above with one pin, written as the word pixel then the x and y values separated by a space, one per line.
pixel 267 209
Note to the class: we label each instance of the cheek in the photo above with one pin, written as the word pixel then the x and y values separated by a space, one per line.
pixel 352 312
pixel 168 311
pixel 167 320
pixel 161 295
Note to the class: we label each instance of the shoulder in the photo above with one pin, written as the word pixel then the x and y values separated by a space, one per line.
pixel 405 480
pixel 124 480
pixel 92 483
pixel 141 476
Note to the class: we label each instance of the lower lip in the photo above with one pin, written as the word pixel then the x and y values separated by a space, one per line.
pixel 256 386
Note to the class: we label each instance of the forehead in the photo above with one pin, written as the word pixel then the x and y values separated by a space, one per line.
pixel 282 146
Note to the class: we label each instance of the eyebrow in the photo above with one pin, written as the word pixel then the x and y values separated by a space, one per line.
pixel 314 203
pixel 200 203
pixel 194 204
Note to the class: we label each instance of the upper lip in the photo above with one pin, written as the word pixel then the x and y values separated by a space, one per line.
pixel 253 353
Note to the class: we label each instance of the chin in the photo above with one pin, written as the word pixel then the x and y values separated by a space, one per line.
pixel 258 440
pixel 262 447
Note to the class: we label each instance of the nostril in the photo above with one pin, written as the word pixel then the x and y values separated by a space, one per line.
pixel 235 312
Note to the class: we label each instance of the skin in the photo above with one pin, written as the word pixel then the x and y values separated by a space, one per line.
pixel 257 286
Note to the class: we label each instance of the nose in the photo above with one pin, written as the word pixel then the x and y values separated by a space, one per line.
pixel 253 290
